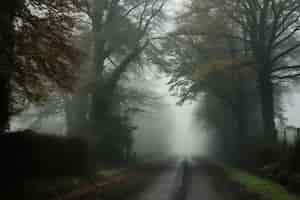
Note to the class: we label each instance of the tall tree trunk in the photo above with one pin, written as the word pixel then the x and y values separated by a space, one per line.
pixel 76 110
pixel 98 96
pixel 98 100
pixel 241 126
pixel 7 13
pixel 241 131
pixel 241 137
pixel 81 109
pixel 267 108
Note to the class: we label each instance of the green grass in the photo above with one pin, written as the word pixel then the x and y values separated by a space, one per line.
pixel 265 188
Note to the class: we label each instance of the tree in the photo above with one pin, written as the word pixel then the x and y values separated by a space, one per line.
pixel 37 53
pixel 140 18
pixel 46 57
pixel 121 31
pixel 208 62
pixel 263 34
pixel 7 63
pixel 269 29
pixel 206 59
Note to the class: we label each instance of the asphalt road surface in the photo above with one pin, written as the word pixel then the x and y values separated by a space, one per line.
pixel 164 187
pixel 196 181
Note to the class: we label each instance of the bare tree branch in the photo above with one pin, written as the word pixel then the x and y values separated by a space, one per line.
pixel 282 68
pixel 285 53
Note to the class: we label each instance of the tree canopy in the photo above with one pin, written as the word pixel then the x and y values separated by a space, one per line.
pixel 46 57
pixel 256 39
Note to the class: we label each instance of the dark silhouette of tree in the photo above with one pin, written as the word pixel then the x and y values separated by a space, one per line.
pixel 37 52
pixel 268 28
pixel 121 31
pixel 7 14
pixel 261 34
pixel 46 57
pixel 206 61
pixel 120 34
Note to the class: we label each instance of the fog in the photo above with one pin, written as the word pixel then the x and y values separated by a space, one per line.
pixel 171 129
pixel 150 99
pixel 167 129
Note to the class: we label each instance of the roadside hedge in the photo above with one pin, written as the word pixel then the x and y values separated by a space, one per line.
pixel 28 155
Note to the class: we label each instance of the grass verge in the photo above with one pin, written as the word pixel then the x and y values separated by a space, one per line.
pixel 266 189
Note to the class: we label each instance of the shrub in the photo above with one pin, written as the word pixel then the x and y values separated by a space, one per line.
pixel 28 155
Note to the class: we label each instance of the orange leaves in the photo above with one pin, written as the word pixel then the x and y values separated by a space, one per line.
pixel 46 56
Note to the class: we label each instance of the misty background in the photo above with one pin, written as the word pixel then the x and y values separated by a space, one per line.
pixel 165 128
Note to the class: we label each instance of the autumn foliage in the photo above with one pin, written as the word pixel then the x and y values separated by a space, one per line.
pixel 46 57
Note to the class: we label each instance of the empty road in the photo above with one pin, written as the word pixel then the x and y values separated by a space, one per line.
pixel 202 181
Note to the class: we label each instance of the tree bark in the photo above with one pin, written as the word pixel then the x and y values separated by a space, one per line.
pixel 103 96
pixel 76 110
pixel 267 108
pixel 241 125
pixel 7 14
pixel 241 131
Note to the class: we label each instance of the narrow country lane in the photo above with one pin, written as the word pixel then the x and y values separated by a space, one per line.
pixel 163 188
pixel 202 180
pixel 207 182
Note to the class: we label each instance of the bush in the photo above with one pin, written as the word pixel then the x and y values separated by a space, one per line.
pixel 295 161
pixel 27 155
pixel 114 145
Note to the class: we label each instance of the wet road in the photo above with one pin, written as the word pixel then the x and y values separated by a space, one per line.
pixel 209 183
pixel 163 187
pixel 202 181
